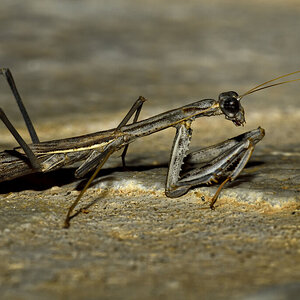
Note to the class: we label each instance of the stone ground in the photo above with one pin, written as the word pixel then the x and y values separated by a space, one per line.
pixel 79 66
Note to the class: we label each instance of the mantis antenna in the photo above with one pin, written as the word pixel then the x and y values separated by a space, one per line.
pixel 265 86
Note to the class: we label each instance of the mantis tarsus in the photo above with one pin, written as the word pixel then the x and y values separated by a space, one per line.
pixel 207 165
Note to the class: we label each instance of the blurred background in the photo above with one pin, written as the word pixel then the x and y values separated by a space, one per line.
pixel 80 65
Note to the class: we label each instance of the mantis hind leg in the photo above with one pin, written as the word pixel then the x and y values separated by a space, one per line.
pixel 30 155
pixel 10 80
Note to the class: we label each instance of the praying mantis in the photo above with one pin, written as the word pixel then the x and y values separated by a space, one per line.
pixel 224 160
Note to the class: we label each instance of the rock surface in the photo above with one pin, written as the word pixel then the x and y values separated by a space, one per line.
pixel 79 67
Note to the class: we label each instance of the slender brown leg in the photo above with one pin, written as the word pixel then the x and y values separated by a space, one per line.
pixel 10 80
pixel 136 108
pixel 31 156
pixel 103 157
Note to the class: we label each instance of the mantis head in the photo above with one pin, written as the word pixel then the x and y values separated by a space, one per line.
pixel 232 108
pixel 230 102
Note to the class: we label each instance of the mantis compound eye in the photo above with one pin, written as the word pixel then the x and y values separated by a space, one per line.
pixel 231 107
pixel 229 104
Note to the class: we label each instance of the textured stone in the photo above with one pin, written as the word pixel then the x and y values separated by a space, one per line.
pixel 79 67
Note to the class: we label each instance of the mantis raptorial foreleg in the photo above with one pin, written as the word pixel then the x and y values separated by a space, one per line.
pixel 178 153
pixel 208 164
